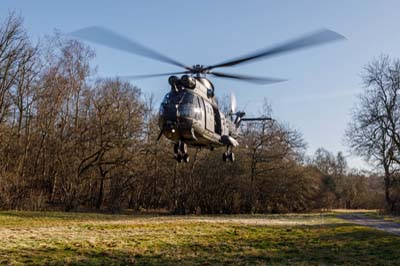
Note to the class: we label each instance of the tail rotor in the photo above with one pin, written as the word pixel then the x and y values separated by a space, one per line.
pixel 233 104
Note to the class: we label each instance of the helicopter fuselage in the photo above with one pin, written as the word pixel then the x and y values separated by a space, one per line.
pixel 189 113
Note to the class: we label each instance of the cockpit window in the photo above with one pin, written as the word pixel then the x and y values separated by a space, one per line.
pixel 188 98
pixel 180 98
pixel 166 98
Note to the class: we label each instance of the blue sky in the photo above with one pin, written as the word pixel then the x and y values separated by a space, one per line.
pixel 323 82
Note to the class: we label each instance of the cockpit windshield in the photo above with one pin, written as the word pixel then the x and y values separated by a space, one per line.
pixel 178 98
pixel 187 104
pixel 187 98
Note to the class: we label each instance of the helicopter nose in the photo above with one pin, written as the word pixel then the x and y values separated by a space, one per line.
pixel 168 111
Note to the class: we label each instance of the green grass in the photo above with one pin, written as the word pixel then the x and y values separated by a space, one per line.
pixel 52 238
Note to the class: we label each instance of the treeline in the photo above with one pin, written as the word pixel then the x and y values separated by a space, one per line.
pixel 71 141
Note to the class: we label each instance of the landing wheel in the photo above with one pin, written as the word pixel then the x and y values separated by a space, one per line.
pixel 231 157
pixel 182 147
pixel 180 150
pixel 224 156
pixel 186 158
pixel 178 158
pixel 228 155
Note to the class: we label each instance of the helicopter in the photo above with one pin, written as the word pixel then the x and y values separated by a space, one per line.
pixel 189 114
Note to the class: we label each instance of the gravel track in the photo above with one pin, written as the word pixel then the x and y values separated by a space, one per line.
pixel 380 224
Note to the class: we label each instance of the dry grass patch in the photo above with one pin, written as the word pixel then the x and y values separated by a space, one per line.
pixel 28 238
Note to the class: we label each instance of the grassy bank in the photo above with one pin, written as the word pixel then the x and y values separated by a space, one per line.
pixel 93 239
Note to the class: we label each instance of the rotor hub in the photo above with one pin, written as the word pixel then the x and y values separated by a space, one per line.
pixel 197 69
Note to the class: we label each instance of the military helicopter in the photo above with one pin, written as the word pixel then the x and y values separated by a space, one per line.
pixel 189 113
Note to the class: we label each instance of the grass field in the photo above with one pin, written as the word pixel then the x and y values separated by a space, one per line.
pixel 52 238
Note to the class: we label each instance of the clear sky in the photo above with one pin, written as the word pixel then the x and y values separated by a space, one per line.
pixel 323 82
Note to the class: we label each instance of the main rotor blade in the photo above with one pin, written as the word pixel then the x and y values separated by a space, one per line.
pixel 258 119
pixel 114 40
pixel 313 39
pixel 252 79
pixel 153 75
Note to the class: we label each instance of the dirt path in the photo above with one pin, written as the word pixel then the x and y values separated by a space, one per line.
pixel 379 224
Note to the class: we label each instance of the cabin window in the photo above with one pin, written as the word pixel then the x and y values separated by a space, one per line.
pixel 199 102
pixel 199 108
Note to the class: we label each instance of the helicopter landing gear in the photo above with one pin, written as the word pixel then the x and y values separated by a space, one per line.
pixel 180 150
pixel 178 157
pixel 228 155
pixel 186 158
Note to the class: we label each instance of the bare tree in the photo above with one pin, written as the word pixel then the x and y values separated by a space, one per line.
pixel 19 66
pixel 374 130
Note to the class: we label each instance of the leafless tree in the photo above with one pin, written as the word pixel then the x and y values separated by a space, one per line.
pixel 374 130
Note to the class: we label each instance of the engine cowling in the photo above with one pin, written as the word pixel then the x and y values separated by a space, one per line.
pixel 188 82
